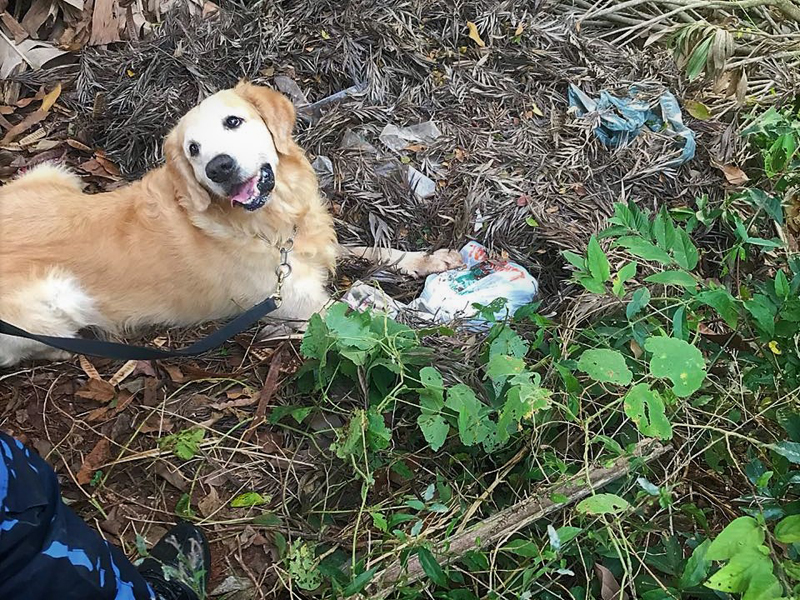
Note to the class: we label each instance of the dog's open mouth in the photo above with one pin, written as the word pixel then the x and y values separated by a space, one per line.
pixel 256 191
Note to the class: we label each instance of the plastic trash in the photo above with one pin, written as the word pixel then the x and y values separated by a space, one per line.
pixel 450 295
pixel 397 138
pixel 621 119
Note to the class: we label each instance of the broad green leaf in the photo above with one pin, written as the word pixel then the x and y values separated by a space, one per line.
pixel 684 251
pixel 781 285
pixel 267 520
pixel 508 342
pixel 639 300
pixel 643 249
pixel 770 204
pixel 602 504
pixel 597 261
pixel 678 361
pixel 501 366
pixel 606 366
pixel 723 302
pixel 522 547
pixel 591 284
pixel 697 60
pixel 249 499
pixel 763 311
pixel 431 566
pixel 698 110
pixel 566 534
pixel 664 230
pixel 678 278
pixel 788 529
pixel 351 329
pixel 434 428
pixel 646 408
pixel 789 450
pixel 744 532
pixel 696 569
pixel 524 398
pixel 360 582
pixel 576 260
pixel 472 423
pixel 679 328
pixel 750 573
pixel 316 342
pixel 379 436
pixel 627 272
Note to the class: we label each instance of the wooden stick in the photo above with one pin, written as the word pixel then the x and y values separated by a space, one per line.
pixel 499 526
pixel 267 391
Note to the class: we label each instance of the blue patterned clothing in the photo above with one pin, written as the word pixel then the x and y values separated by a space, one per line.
pixel 46 551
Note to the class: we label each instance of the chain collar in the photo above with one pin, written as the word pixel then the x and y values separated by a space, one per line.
pixel 284 269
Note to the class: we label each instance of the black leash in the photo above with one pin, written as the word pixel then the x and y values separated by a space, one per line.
pixel 114 350
pixel 118 351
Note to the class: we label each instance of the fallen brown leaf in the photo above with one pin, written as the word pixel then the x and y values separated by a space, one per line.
pixel 734 175
pixel 17 30
pixel 105 23
pixel 50 98
pixel 474 35
pixel 88 367
pixel 93 460
pixel 609 588
pixel 210 504
pixel 36 15
pixel 123 372
pixel 21 127
pixel 97 390
pixel 175 374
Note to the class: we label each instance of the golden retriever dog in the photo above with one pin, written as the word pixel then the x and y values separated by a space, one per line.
pixel 194 240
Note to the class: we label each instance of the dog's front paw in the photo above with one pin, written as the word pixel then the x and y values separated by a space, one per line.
pixel 420 264
pixel 279 331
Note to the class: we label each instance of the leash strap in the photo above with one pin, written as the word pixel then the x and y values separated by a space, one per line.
pixel 118 351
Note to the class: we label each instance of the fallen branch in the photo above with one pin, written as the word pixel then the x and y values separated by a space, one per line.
pixel 270 385
pixel 499 526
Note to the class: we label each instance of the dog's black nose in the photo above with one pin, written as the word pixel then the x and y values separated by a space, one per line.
pixel 221 168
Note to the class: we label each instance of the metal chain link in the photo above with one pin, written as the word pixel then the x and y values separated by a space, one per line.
pixel 284 269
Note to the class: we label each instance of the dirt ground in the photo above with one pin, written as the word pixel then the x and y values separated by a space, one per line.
pixel 512 167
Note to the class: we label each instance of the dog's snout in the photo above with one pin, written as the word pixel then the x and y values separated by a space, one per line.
pixel 221 168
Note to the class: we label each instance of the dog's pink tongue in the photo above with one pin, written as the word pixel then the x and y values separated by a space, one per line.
pixel 245 191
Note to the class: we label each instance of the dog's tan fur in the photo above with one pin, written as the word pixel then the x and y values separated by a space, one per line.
pixel 163 250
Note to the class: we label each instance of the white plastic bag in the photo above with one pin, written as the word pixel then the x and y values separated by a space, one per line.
pixel 451 294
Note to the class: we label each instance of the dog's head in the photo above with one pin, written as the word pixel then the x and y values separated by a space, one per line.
pixel 230 146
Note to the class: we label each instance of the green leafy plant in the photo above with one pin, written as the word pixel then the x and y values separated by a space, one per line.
pixel 184 444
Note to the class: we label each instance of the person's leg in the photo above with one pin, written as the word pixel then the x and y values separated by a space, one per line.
pixel 47 552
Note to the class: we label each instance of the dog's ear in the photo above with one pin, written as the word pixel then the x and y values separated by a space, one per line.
pixel 276 110
pixel 189 189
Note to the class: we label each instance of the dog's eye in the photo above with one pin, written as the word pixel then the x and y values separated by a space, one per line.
pixel 194 149
pixel 233 122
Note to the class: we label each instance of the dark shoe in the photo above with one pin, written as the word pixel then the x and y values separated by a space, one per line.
pixel 177 567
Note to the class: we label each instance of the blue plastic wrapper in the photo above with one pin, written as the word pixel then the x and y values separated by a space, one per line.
pixel 621 119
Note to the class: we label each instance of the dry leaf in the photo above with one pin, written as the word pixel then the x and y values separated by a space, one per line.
pixel 210 504
pixel 105 23
pixel 474 35
pixel 698 110
pixel 34 53
pixel 78 145
pixel 36 15
pixel 536 111
pixel 734 175
pixel 175 374
pixel 93 460
pixel 609 588
pixel 17 30
pixel 125 370
pixel 97 390
pixel 21 127
pixel 88 367
pixel 50 98
pixel 520 29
